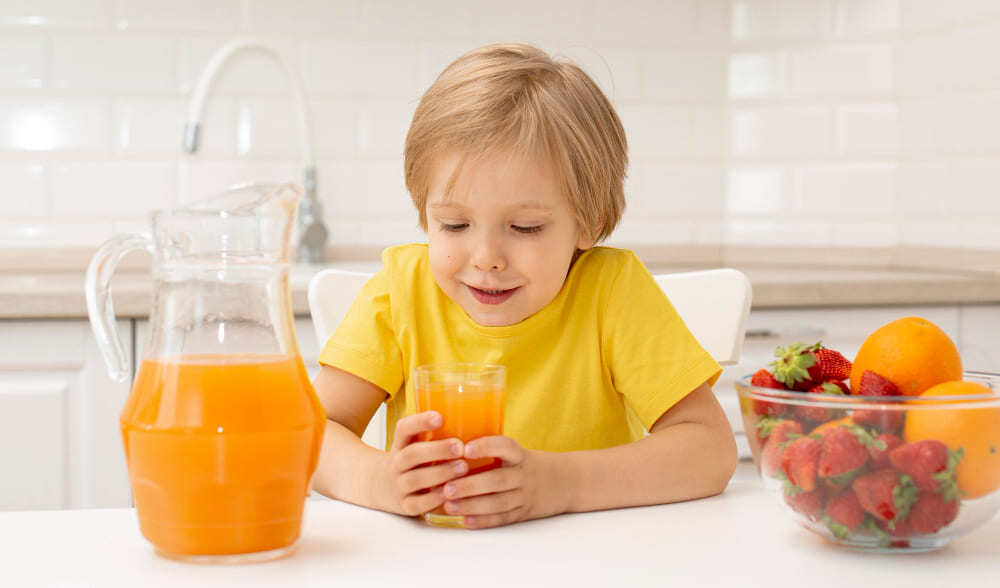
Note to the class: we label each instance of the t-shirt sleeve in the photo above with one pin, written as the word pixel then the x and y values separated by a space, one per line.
pixel 654 359
pixel 365 343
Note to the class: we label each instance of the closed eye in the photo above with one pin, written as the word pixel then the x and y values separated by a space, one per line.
pixel 527 230
pixel 454 228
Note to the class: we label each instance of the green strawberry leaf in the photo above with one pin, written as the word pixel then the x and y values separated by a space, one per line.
pixel 865 437
pixel 787 485
pixel 842 480
pixel 832 389
pixel 947 483
pixel 903 496
pixel 874 529
pixel 765 425
pixel 839 531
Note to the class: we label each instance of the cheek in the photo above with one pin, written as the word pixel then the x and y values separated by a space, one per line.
pixel 443 256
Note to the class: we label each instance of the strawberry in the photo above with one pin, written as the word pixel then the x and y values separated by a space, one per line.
pixel 778 435
pixel 930 464
pixel 821 413
pixel 842 455
pixel 762 428
pixel 800 366
pixel 844 514
pixel 880 457
pixel 799 462
pixel 764 379
pixel 770 457
pixel 883 419
pixel 930 513
pixel 885 494
pixel 807 503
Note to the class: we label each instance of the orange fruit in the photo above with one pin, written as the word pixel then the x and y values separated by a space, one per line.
pixel 913 353
pixel 975 430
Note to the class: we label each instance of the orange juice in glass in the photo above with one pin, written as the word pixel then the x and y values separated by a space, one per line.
pixel 470 398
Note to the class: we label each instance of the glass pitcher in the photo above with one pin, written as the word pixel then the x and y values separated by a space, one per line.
pixel 222 428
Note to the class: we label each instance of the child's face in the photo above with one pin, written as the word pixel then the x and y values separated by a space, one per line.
pixel 501 244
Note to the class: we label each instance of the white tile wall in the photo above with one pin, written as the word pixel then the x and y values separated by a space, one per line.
pixel 303 16
pixel 858 17
pixel 876 117
pixel 864 129
pixel 126 188
pixel 114 63
pixel 55 124
pixel 22 190
pixel 849 191
pixel 22 61
pixel 880 114
pixel 57 13
pixel 853 70
pixel 182 15
pixel 788 131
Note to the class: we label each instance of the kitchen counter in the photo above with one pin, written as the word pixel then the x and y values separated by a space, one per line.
pixel 26 294
pixel 738 538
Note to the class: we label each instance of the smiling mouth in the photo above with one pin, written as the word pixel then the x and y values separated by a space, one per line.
pixel 491 296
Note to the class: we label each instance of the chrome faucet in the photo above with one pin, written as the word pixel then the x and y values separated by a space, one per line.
pixel 312 233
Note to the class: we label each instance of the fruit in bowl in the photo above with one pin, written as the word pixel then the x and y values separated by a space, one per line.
pixel 896 451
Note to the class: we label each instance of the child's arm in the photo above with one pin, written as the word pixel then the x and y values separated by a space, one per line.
pixel 689 453
pixel 394 481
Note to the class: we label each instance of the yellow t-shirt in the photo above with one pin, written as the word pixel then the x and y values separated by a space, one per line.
pixel 607 349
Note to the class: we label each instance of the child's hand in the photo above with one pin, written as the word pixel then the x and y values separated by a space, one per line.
pixel 525 487
pixel 415 470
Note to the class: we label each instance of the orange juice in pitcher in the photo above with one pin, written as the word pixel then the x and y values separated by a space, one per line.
pixel 208 477
pixel 222 429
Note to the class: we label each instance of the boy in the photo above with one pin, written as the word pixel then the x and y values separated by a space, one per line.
pixel 516 164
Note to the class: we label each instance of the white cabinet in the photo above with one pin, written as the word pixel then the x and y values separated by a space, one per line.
pixel 60 445
pixel 980 328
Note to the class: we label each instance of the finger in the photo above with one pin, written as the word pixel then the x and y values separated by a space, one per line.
pixel 497 480
pixel 423 452
pixel 431 476
pixel 494 520
pixel 496 446
pixel 409 427
pixel 489 504
pixel 417 504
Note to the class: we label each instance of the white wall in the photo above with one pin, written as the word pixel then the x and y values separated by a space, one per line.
pixel 818 122
pixel 93 97
pixel 865 122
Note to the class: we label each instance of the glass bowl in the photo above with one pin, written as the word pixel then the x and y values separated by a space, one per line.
pixel 942 483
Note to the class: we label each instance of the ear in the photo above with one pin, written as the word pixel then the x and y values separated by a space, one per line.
pixel 586 241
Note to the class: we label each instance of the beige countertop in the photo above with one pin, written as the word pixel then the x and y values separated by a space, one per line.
pixel 47 290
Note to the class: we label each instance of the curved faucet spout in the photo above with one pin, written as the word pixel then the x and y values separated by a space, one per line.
pixel 192 132
pixel 310 211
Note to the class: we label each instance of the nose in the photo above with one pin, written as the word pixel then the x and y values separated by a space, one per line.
pixel 488 253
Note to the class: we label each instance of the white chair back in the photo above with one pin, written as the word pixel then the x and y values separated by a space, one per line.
pixel 713 303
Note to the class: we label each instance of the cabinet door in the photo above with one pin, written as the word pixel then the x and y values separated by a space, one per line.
pixel 980 344
pixel 60 445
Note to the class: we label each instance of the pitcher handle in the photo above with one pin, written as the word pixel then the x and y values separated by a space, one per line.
pixel 99 305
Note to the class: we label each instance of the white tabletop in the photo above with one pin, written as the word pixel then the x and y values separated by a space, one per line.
pixel 739 538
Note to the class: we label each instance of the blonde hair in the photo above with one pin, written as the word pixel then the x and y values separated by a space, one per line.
pixel 514 98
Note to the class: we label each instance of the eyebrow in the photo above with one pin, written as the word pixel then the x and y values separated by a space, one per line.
pixel 532 205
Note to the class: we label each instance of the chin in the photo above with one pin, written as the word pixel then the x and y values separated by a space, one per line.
pixel 493 321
